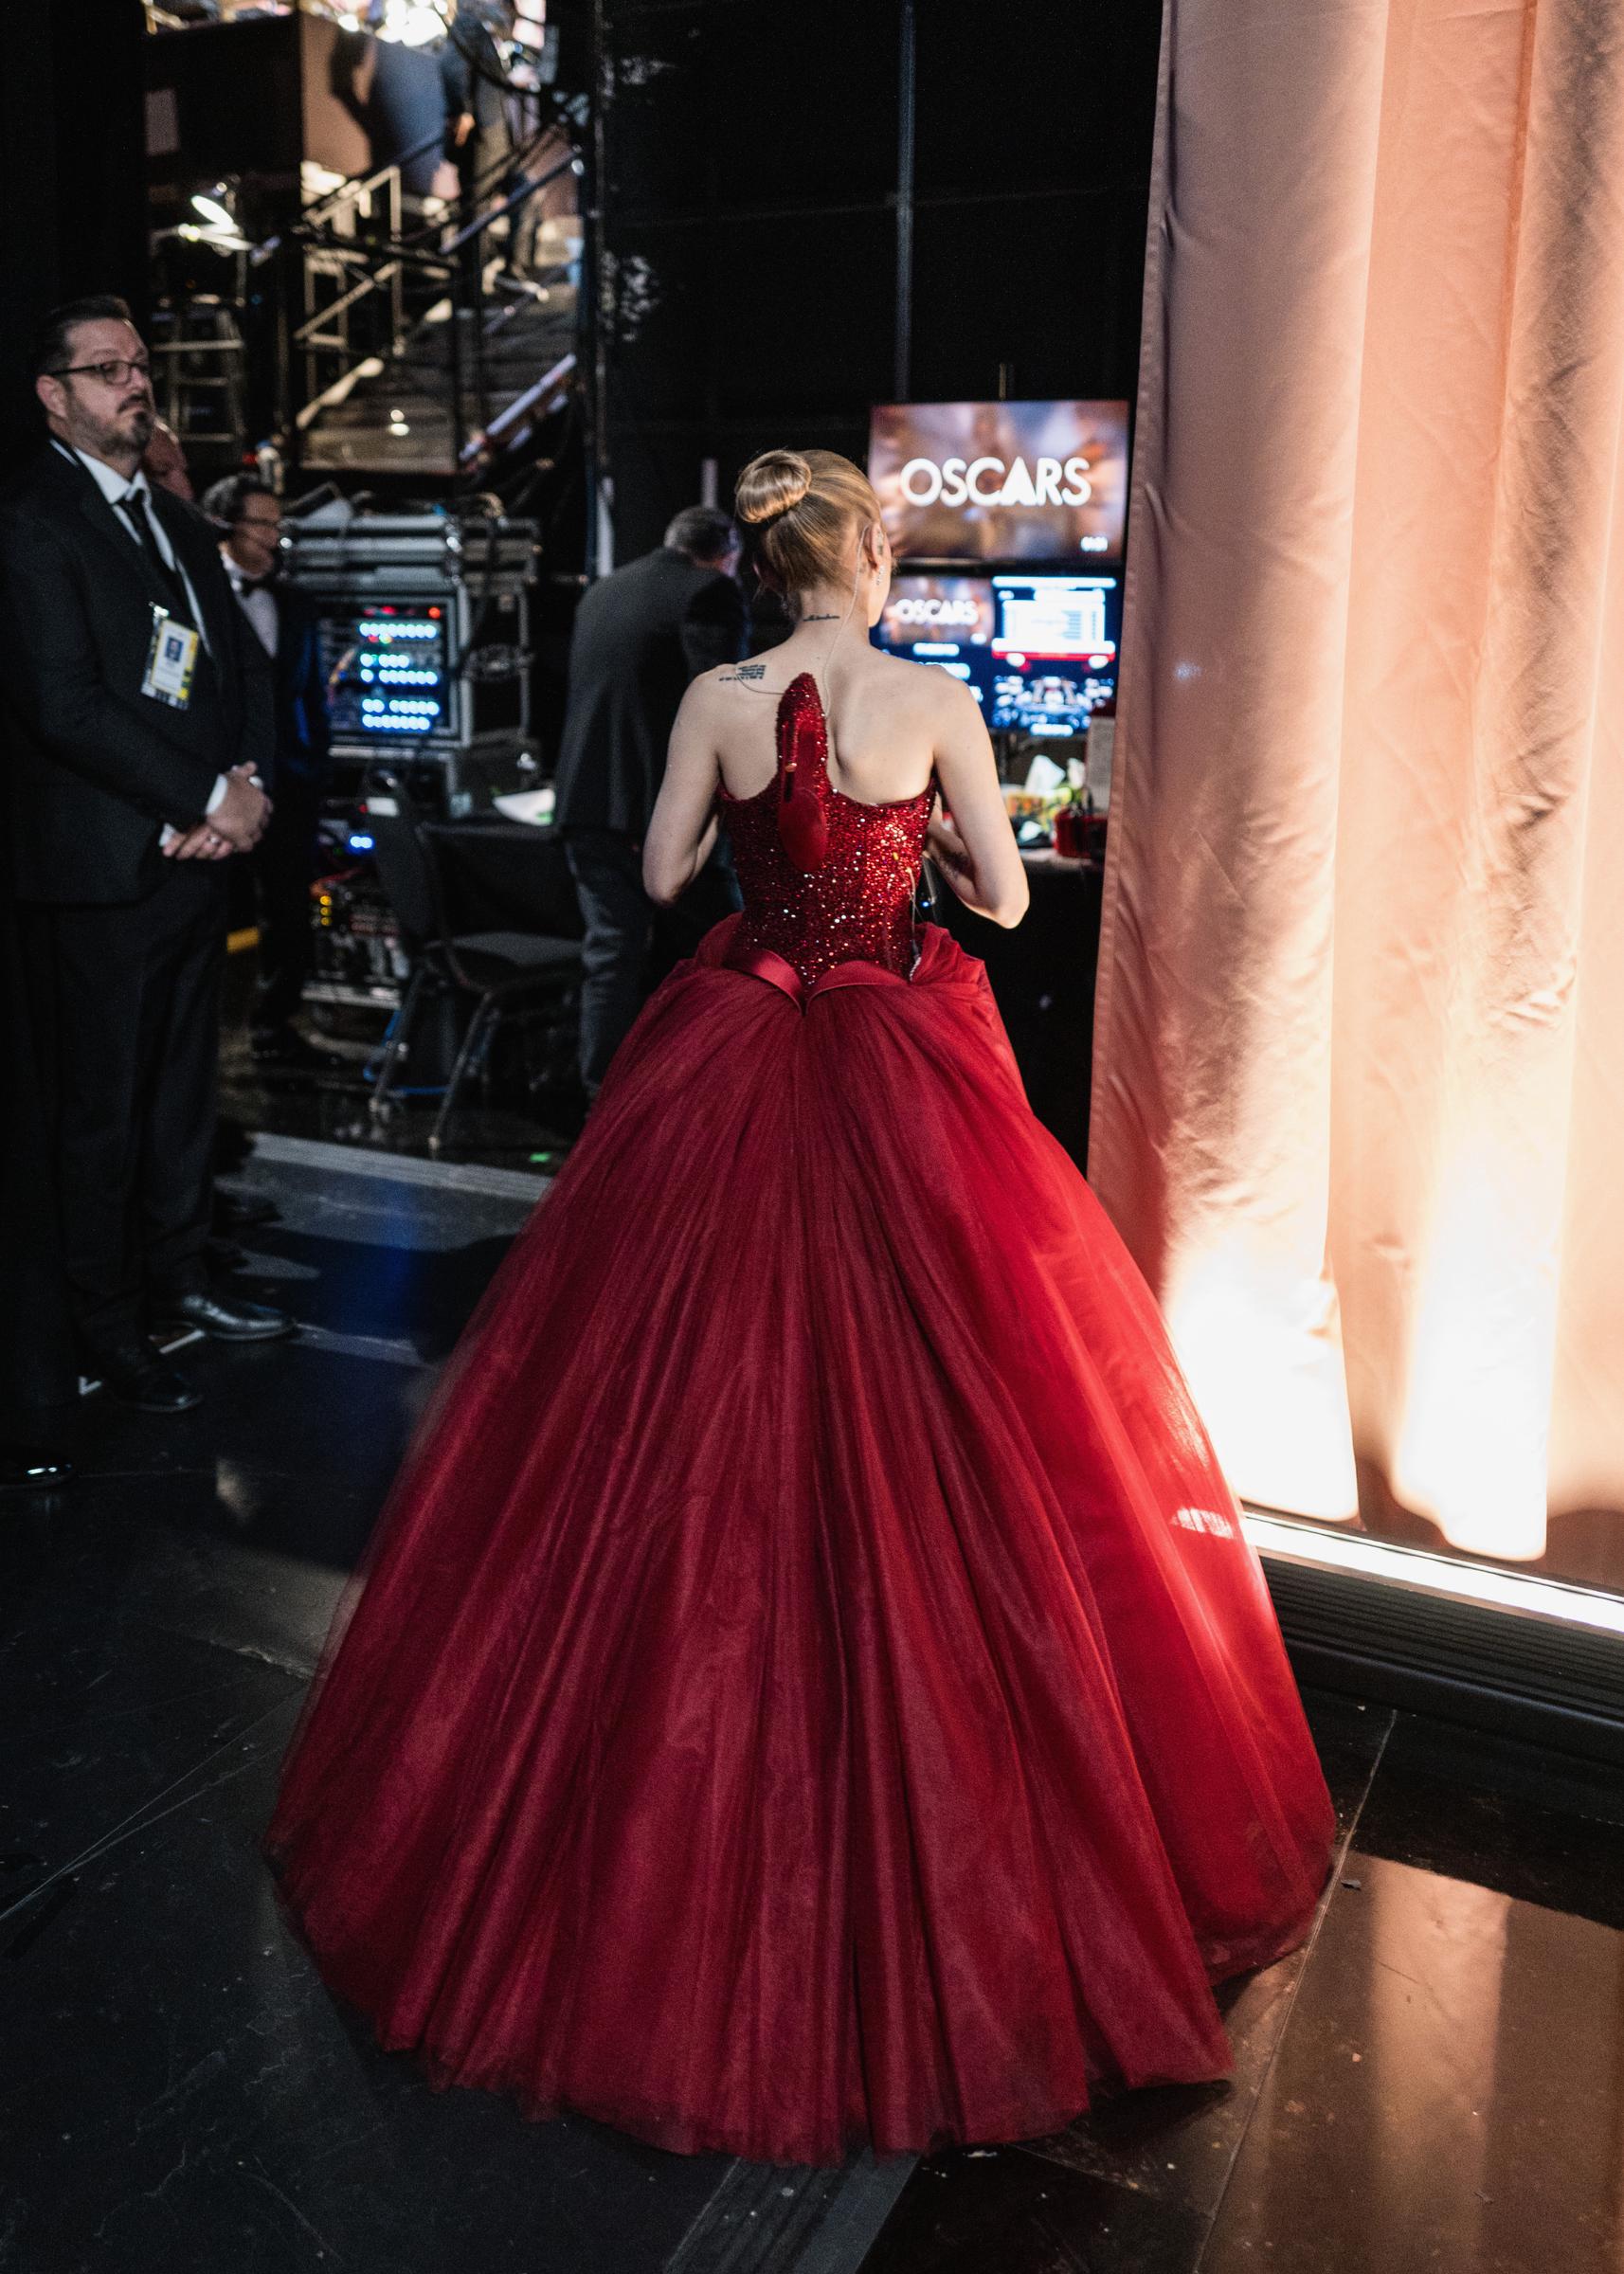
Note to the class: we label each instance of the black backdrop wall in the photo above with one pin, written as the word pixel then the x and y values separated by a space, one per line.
pixel 74 137
pixel 750 210
pixel 751 184
pixel 72 121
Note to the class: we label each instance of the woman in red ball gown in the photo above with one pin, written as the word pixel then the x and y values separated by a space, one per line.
pixel 810 1687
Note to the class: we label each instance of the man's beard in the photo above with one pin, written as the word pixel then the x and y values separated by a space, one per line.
pixel 131 430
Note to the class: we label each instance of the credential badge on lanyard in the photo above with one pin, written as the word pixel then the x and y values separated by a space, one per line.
pixel 171 658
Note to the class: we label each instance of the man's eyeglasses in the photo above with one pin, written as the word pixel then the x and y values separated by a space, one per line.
pixel 116 372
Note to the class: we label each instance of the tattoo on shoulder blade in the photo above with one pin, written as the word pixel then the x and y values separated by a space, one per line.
pixel 743 670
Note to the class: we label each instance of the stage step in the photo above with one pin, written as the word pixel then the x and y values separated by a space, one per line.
pixel 401 420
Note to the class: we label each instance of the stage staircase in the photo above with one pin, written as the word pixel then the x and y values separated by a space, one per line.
pixel 428 349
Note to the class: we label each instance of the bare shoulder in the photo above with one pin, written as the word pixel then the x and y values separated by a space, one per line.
pixel 709 695
pixel 932 696
pixel 721 683
pixel 729 676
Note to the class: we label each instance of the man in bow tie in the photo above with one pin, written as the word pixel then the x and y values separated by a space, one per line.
pixel 249 517
pixel 140 736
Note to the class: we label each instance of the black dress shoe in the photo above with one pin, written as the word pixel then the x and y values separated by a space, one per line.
pixel 227 1319
pixel 135 1375
pixel 31 1469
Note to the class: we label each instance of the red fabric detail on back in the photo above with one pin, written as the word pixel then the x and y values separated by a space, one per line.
pixel 803 775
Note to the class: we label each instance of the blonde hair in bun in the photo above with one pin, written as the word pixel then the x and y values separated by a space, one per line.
pixel 803 512
pixel 771 485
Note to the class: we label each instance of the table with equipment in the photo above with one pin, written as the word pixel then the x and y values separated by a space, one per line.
pixel 502 875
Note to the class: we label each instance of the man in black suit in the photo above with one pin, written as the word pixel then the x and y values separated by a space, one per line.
pixel 282 620
pixel 641 635
pixel 140 727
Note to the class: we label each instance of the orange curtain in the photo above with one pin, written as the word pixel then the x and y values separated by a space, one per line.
pixel 1359 1073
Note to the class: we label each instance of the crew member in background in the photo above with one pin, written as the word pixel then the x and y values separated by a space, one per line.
pixel 641 635
pixel 479 137
pixel 284 859
pixel 140 728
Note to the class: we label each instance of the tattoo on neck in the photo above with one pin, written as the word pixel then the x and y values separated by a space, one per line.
pixel 830 618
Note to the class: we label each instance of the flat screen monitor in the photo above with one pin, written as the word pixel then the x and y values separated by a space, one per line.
pixel 386 670
pixel 1053 651
pixel 1002 482
pixel 946 621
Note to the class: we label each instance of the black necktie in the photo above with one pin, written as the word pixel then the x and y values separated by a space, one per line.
pixel 133 503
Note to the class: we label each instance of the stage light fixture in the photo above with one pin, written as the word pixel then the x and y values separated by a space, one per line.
pixel 209 203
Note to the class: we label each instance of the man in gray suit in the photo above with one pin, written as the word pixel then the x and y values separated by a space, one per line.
pixel 641 635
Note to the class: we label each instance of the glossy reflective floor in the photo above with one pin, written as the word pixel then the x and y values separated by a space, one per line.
pixel 508 1119
pixel 1436 2083
pixel 177 2091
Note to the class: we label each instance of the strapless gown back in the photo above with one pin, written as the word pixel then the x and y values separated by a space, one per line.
pixel 809 1685
pixel 854 903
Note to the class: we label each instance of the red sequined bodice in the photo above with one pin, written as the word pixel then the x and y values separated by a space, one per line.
pixel 826 879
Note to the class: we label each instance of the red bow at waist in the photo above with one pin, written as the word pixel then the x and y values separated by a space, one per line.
pixel 764 963
pixel 941 961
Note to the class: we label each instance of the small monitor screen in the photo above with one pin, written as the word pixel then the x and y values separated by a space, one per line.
pixel 1002 482
pixel 946 621
pixel 1053 651
pixel 385 667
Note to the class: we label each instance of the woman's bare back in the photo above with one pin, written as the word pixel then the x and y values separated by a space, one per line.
pixel 884 718
pixel 892 728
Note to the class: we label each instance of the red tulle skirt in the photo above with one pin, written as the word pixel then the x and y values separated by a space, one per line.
pixel 810 1686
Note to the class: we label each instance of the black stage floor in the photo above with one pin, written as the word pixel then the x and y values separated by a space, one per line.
pixel 1436 2083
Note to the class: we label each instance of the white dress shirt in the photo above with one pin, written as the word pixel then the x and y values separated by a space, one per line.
pixel 116 488
pixel 256 599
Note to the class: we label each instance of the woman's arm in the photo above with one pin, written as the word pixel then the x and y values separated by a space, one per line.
pixel 682 828
pixel 975 849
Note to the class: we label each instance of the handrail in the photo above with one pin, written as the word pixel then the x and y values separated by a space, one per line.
pixel 369 367
pixel 368 283
pixel 509 162
pixel 378 263
pixel 362 185
pixel 528 188
pixel 313 218
pixel 391 257
pixel 550 383
pixel 407 243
